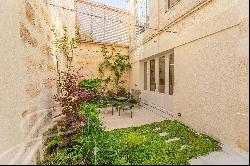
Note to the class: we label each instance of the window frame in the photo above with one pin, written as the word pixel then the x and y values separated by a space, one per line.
pixel 163 74
pixel 145 68
pixel 171 75
pixel 151 76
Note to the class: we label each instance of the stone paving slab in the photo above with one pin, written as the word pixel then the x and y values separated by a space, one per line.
pixel 226 157
pixel 172 140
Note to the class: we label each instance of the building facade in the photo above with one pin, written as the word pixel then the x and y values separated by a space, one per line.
pixel 192 65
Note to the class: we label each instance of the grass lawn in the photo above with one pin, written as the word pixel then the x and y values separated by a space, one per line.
pixel 165 143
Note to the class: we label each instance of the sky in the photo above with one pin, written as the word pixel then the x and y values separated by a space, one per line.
pixel 115 3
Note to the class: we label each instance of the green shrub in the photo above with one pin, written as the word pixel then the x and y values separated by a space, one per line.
pixel 53 143
pixel 130 146
pixel 83 142
pixel 90 84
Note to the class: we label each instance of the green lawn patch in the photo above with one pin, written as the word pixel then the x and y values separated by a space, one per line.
pixel 142 145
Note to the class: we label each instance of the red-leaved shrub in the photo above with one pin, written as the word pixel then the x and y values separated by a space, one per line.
pixel 70 98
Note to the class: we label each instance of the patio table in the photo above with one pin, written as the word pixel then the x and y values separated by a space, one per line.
pixel 121 99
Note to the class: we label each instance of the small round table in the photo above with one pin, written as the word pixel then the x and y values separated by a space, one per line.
pixel 121 99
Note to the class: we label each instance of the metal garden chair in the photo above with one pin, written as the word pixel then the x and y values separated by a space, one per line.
pixel 127 105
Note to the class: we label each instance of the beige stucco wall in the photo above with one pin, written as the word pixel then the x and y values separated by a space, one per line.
pixel 25 66
pixel 211 65
pixel 206 85
pixel 88 56
pixel 62 14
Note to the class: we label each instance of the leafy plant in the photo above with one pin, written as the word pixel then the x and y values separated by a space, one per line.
pixel 115 65
pixel 72 95
pixel 130 146
pixel 133 140
pixel 123 92
pixel 52 143
pixel 65 45
pixel 83 36
pixel 80 145
pixel 91 84
pixel 93 123
pixel 71 98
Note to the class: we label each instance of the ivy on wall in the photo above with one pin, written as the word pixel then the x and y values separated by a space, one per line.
pixel 91 84
pixel 114 67
pixel 83 36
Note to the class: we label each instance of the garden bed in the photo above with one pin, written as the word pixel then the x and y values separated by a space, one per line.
pixel 166 143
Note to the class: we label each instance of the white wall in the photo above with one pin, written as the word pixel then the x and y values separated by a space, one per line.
pixel 210 64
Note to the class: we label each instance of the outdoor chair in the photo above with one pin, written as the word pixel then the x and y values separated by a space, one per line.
pixel 112 104
pixel 127 105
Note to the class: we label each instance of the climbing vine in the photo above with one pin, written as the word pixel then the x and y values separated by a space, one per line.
pixel 114 66
pixel 83 35
pixel 64 45
pixel 90 84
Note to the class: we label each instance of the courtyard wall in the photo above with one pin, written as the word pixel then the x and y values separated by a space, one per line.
pixel 211 58
pixel 26 93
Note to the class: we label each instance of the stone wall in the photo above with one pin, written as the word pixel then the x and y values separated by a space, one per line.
pixel 26 64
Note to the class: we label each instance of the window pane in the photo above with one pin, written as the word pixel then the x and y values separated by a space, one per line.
pixel 171 74
pixel 161 75
pixel 145 75
pixel 152 75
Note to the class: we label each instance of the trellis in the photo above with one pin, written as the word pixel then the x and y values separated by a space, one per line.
pixel 102 23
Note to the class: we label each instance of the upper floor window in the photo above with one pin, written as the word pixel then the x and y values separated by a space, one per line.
pixel 143 17
pixel 170 3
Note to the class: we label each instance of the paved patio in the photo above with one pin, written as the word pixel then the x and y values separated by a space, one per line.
pixel 141 116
